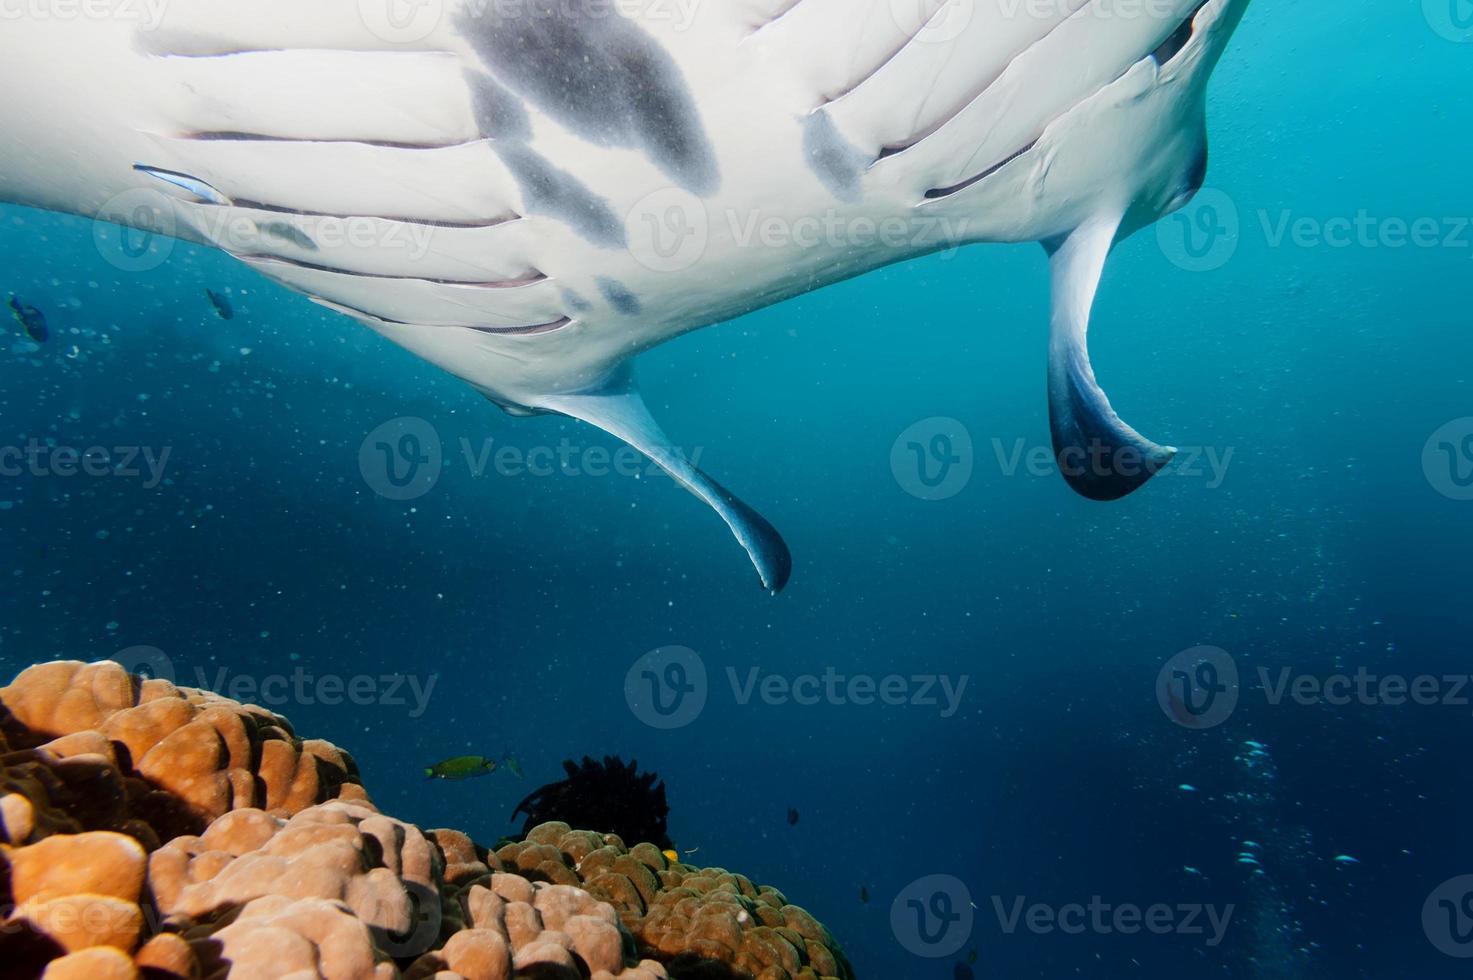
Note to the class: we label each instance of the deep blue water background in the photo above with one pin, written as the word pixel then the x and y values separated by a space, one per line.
pixel 1324 369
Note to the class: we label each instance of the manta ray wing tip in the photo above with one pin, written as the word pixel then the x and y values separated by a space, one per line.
pixel 1109 463
pixel 764 545
pixel 776 567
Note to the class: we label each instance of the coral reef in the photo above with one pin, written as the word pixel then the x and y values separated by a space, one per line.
pixel 151 831
pixel 701 922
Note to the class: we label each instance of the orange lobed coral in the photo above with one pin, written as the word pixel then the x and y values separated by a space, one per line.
pixel 148 830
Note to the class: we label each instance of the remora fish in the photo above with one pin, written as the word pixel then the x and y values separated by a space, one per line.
pixel 541 191
pixel 221 303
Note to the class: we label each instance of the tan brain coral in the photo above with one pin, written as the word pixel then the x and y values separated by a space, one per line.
pixel 187 756
pixel 685 916
pixel 157 831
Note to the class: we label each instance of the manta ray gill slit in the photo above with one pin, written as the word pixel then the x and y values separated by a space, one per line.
pixel 937 193
pixel 535 328
pixel 532 278
pixel 1173 45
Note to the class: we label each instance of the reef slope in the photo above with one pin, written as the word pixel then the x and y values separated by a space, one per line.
pixel 154 831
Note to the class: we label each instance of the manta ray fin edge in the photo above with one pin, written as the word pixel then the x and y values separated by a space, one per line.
pixel 617 408
pixel 1099 455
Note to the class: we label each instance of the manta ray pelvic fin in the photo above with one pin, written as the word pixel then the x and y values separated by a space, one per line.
pixel 617 408
pixel 1100 456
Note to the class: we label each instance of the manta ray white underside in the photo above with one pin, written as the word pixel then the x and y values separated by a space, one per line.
pixel 542 189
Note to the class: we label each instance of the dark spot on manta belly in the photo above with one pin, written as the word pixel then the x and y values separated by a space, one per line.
pixel 601 75
pixel 499 114
pixel 575 302
pixel 548 191
pixel 619 295
pixel 281 231
pixel 830 156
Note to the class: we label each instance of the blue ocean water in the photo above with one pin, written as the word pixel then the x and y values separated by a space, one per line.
pixel 1286 329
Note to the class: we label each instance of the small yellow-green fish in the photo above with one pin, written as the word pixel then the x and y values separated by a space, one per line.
pixel 462 767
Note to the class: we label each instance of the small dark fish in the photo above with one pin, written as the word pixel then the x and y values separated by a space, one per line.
pixel 221 304
pixel 32 319
pixel 863 895
pixel 792 817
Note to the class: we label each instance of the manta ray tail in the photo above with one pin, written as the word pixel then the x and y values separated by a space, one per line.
pixel 1100 456
pixel 617 408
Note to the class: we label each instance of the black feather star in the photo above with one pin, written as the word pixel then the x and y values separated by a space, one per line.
pixel 610 797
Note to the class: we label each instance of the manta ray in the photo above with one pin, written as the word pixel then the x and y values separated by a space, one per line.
pixel 530 193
